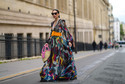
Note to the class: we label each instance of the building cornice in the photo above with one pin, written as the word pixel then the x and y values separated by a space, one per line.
pixel 10 17
pixel 106 2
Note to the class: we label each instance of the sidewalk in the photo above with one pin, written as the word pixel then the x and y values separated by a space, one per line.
pixel 21 67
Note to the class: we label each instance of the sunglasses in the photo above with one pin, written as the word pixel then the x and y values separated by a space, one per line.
pixel 54 13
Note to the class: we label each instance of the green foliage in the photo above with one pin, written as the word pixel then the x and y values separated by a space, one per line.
pixel 120 38
pixel 121 32
pixel 2 62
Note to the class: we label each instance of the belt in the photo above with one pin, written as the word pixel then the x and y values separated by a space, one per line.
pixel 54 33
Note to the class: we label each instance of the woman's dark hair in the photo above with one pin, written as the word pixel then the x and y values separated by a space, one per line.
pixel 64 22
pixel 57 11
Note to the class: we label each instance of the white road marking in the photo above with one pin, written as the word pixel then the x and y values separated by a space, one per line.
pixel 88 67
pixel 18 76
pixel 122 51
pixel 10 77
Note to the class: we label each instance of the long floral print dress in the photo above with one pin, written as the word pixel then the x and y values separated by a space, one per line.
pixel 60 65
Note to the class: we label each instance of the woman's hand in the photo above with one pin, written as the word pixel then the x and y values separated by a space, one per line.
pixel 46 44
pixel 70 44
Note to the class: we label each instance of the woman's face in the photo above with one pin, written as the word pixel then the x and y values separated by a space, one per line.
pixel 55 14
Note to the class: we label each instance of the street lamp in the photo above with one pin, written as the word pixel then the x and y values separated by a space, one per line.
pixel 74 25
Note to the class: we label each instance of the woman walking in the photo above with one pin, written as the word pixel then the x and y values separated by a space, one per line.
pixel 60 65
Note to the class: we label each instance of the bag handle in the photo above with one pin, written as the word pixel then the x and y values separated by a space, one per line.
pixel 45 47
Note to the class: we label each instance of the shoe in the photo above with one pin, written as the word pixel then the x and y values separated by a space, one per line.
pixel 43 80
pixel 73 78
pixel 62 79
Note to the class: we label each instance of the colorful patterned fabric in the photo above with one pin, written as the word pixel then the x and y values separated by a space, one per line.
pixel 60 65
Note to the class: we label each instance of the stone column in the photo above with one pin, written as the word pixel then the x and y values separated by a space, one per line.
pixel 44 35
pixel 83 9
pixel 42 2
pixel 87 9
pixel 55 4
pixel 49 3
pixel 25 45
pixel 70 6
pixel 2 48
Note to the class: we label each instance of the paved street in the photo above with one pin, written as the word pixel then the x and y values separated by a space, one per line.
pixel 100 67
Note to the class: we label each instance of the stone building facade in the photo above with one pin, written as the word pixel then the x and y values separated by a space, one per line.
pixel 116 29
pixel 32 18
pixel 111 23
pixel 101 20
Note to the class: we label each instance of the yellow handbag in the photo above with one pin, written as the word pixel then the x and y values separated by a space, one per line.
pixel 45 52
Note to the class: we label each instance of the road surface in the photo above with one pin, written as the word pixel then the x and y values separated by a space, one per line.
pixel 100 67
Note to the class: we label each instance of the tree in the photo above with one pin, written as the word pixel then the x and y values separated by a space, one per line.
pixel 121 32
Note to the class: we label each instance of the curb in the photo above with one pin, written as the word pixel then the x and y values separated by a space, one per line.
pixel 18 74
pixel 20 59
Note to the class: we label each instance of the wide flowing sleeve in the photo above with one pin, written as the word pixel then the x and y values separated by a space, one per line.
pixel 67 34
pixel 49 39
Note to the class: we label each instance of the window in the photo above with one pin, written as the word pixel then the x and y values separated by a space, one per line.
pixel 8 8
pixel 41 36
pixel 20 45
pixel 29 36
pixel 8 45
pixel 29 46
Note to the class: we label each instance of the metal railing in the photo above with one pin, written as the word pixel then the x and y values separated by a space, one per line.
pixel 18 47
pixel 84 46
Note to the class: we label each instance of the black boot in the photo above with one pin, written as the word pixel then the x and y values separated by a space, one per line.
pixel 43 80
pixel 73 78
